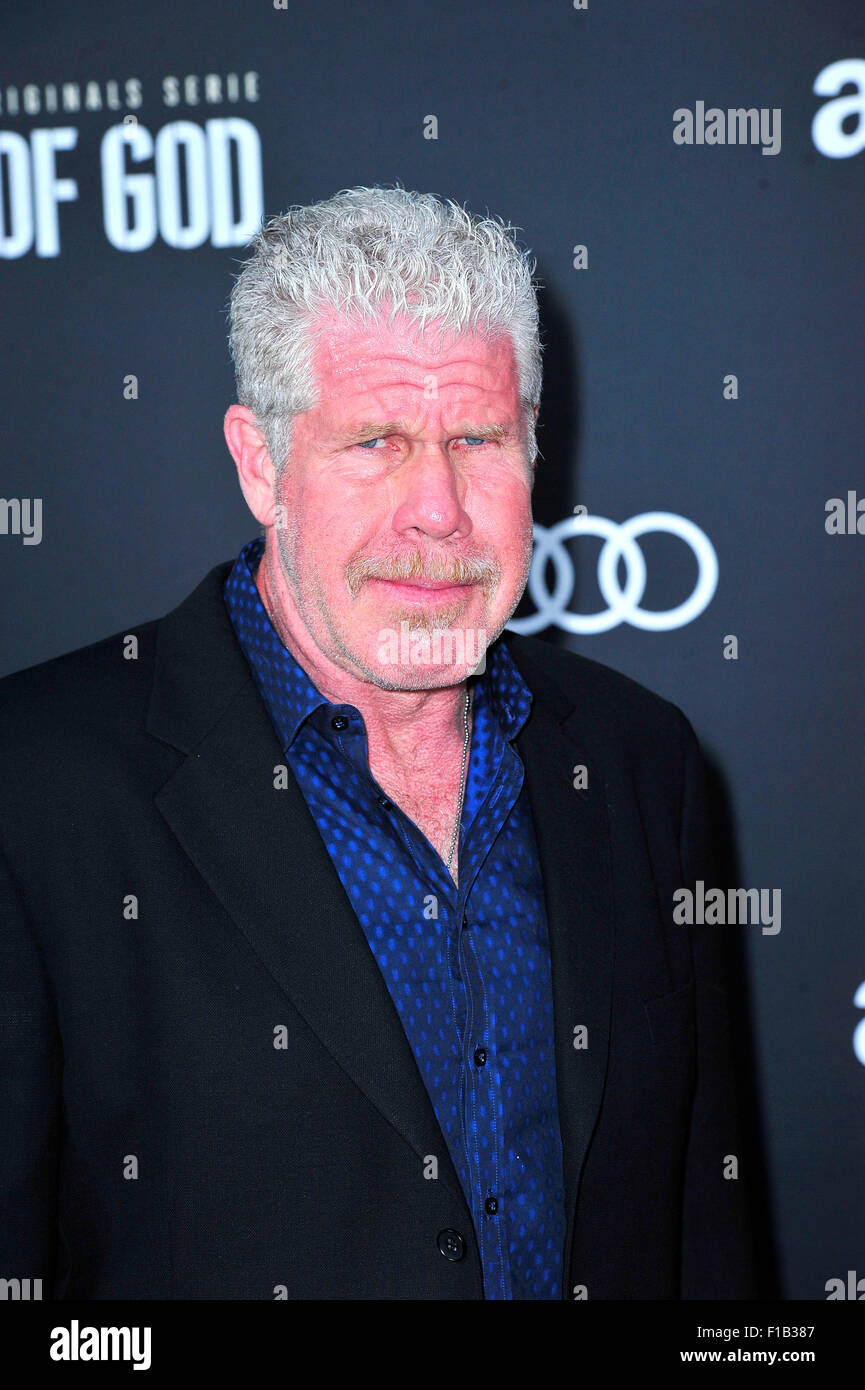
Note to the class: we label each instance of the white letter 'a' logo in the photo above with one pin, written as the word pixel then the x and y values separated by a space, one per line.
pixel 827 127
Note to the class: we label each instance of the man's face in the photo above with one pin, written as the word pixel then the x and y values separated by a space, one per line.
pixel 405 503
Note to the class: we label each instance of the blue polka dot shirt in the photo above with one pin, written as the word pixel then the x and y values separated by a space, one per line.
pixel 468 968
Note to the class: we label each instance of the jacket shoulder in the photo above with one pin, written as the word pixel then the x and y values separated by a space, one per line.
pixel 80 685
pixel 604 698
pixel 85 685
pixel 97 696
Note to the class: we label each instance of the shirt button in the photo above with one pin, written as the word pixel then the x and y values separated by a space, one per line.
pixel 491 1206
pixel 451 1244
pixel 480 1056
pixel 339 722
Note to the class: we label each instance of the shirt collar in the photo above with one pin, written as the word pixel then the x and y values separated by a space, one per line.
pixel 289 694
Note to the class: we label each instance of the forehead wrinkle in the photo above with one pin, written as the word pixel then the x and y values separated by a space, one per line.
pixel 388 372
pixel 377 428
pixel 340 347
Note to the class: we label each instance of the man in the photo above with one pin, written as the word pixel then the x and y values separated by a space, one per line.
pixel 339 959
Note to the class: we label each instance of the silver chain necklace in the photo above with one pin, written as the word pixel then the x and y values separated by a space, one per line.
pixel 462 779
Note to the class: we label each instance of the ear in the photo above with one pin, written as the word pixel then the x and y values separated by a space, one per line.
pixel 255 470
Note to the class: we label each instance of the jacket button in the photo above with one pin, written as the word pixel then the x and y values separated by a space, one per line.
pixel 451 1245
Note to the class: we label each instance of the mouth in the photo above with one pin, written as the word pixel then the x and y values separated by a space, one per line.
pixel 422 589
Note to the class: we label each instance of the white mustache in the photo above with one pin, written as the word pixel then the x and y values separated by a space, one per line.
pixel 439 569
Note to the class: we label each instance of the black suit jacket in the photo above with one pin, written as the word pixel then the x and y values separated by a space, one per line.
pixel 168 914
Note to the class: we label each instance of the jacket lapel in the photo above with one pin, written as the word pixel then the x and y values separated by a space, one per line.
pixel 572 833
pixel 260 852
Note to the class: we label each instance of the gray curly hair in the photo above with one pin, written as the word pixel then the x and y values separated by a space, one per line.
pixel 429 257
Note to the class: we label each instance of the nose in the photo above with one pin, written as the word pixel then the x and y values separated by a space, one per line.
pixel 432 495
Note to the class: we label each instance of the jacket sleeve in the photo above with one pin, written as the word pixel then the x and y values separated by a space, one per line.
pixel 717 1232
pixel 30 1104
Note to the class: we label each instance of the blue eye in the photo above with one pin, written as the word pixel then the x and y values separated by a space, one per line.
pixel 369 444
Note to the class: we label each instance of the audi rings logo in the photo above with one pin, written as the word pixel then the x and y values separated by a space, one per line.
pixel 623 603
